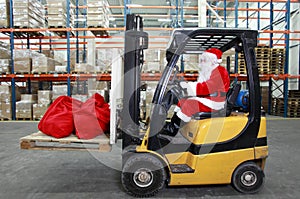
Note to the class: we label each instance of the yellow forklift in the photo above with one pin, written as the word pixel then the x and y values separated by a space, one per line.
pixel 224 147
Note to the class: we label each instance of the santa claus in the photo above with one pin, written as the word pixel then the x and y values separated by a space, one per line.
pixel 208 94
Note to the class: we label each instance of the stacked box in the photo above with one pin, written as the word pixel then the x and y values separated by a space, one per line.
pixel 24 107
pixel 42 64
pixel 59 90
pixel 4 13
pixel 100 87
pixel 191 62
pixel 29 98
pixel 22 61
pixel 57 13
pixel 38 111
pixel 5 101
pixel 152 61
pixel 5 93
pixel 44 100
pixel 86 68
pixel 4 51
pixel 23 110
pixel 48 53
pixel 60 69
pixel 6 110
pixel 44 97
pixel 104 59
pixel 97 13
pixel 81 67
pixel 22 65
pixel 4 66
pixel 28 13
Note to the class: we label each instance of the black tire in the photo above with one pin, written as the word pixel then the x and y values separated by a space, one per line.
pixel 248 178
pixel 143 175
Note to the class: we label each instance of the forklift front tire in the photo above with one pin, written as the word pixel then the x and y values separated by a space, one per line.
pixel 143 175
pixel 248 178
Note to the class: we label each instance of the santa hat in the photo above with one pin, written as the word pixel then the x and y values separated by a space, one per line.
pixel 218 53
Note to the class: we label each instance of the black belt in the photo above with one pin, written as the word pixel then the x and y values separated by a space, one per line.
pixel 215 94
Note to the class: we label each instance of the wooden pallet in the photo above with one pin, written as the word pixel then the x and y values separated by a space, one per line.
pixel 5 119
pixel 293 107
pixel 294 93
pixel 40 141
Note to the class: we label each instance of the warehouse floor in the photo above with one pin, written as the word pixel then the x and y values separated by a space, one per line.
pixel 71 174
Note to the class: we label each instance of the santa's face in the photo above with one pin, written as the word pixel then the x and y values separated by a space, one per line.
pixel 207 63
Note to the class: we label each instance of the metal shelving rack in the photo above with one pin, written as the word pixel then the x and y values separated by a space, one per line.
pixel 179 8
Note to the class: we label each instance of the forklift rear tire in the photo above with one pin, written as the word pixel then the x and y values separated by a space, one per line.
pixel 143 175
pixel 248 178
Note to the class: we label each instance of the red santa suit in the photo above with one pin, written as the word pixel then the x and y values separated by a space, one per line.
pixel 208 94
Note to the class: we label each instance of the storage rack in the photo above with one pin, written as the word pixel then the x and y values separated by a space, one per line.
pixel 39 34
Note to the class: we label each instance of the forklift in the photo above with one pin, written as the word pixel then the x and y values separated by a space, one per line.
pixel 224 147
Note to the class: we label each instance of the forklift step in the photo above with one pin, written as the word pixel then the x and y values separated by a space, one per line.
pixel 181 168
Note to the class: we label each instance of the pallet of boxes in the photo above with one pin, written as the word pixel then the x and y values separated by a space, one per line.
pixel 28 14
pixel 24 106
pixel 97 16
pixel 44 101
pixel 57 14
pixel 5 59
pixel 41 63
pixel 22 61
pixel 6 102
pixel 4 14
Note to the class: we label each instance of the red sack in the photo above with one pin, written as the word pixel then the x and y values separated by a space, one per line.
pixel 92 119
pixel 58 119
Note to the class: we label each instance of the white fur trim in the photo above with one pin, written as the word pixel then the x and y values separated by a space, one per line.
pixel 210 103
pixel 193 88
pixel 176 109
pixel 183 116
pixel 219 61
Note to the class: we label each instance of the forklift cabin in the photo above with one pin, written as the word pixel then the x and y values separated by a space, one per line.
pixel 226 147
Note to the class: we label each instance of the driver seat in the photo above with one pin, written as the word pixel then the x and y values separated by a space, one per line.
pixel 231 97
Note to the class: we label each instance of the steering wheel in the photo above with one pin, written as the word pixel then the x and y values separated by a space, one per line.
pixel 175 91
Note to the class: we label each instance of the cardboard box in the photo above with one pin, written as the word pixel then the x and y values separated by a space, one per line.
pixel 38 111
pixel 44 96
pixel 48 53
pixel 24 109
pixel 6 110
pixel 28 98
pixel 59 90
pixel 60 68
pixel 152 66
pixel 42 64
pixel 22 65
pixel 5 69
pixel 5 93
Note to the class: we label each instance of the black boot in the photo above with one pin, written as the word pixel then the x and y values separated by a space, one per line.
pixel 171 128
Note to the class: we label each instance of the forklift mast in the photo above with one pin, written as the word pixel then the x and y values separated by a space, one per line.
pixel 136 40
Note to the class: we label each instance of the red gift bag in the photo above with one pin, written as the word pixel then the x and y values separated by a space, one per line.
pixel 92 119
pixel 58 119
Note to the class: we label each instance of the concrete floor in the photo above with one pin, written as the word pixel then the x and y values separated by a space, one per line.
pixel 61 174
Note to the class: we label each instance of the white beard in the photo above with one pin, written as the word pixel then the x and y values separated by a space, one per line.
pixel 208 62
pixel 205 72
